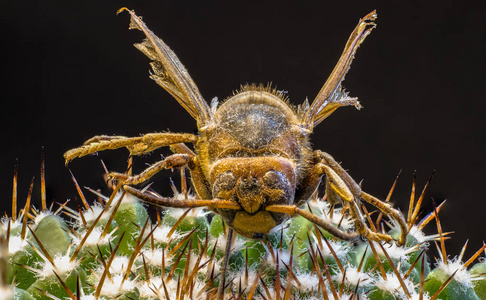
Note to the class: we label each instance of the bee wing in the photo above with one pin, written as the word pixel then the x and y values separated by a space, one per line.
pixel 169 72
pixel 332 95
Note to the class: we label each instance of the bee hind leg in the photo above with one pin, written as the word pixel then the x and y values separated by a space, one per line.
pixel 136 145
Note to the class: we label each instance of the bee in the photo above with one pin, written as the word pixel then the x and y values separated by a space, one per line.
pixel 252 161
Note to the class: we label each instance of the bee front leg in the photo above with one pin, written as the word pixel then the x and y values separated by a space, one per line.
pixel 343 185
pixel 199 181
pixel 338 191
pixel 325 224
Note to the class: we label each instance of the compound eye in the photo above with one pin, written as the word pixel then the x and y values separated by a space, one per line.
pixel 226 181
pixel 275 180
pixel 278 188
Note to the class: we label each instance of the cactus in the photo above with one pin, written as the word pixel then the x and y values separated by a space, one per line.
pixel 112 249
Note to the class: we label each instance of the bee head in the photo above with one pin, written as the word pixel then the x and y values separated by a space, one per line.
pixel 254 183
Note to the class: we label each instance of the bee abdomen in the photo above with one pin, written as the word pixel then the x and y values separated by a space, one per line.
pixel 255 125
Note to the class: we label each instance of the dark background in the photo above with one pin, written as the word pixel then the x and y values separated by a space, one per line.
pixel 69 72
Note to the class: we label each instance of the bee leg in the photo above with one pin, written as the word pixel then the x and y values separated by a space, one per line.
pixel 343 183
pixel 326 225
pixel 199 181
pixel 152 141
pixel 340 188
pixel 136 145
pixel 338 191
pixel 100 143
pixel 178 203
pixel 363 229
pixel 224 267
pixel 100 138
pixel 388 210
pixel 310 184
pixel 172 161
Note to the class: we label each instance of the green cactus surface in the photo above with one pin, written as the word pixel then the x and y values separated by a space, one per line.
pixel 113 249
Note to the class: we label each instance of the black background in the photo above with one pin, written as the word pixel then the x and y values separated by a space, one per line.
pixel 69 72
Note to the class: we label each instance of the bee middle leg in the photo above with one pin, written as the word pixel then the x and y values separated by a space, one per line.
pixel 172 161
pixel 183 156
